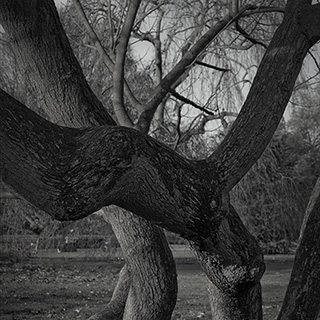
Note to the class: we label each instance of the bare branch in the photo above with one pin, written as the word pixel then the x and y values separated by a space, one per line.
pixel 93 36
pixel 178 125
pixel 104 54
pixel 118 76
pixel 257 9
pixel 304 283
pixel 188 101
pixel 158 116
pixel 181 67
pixel 200 63
pixel 220 115
pixel 267 100
pixel 248 37
pixel 314 60
pixel 199 128
pixel 111 26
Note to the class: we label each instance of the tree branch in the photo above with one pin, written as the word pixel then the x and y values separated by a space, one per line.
pixel 267 99
pixel 248 36
pixel 188 101
pixel 104 55
pixel 200 127
pixel 302 296
pixel 115 308
pixel 186 62
pixel 65 173
pixel 118 75
pixel 200 63
pixel 33 39
pixel 158 116
pixel 71 173
pixel 315 61
pixel 260 9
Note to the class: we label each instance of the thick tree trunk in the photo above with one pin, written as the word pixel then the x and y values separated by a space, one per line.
pixel 270 92
pixel 234 266
pixel 115 308
pixel 245 304
pixel 181 195
pixel 302 300
pixel 56 78
pixel 148 260
pixel 81 170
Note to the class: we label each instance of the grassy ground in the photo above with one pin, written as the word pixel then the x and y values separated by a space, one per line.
pixel 76 288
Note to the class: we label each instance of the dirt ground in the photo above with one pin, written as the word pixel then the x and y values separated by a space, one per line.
pixel 77 288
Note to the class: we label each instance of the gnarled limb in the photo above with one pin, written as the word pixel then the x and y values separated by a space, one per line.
pixel 270 91
pixel 78 171
pixel 137 173
pixel 106 56
pixel 180 68
pixel 56 78
pixel 35 30
pixel 148 259
pixel 83 170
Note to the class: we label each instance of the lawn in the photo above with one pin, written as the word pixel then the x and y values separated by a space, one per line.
pixel 44 288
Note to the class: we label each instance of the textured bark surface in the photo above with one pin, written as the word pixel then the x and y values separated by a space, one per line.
pixel 52 71
pixel 302 300
pixel 81 170
pixel 234 265
pixel 160 290
pixel 137 173
pixel 243 305
pixel 269 94
pixel 55 76
pixel 115 308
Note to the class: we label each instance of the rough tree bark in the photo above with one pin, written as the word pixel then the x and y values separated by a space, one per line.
pixel 56 78
pixel 81 170
pixel 303 292
pixel 115 308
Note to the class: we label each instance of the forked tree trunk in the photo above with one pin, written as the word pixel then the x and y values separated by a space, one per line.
pixel 234 266
pixel 147 173
pixel 148 259
pixel 58 82
pixel 78 171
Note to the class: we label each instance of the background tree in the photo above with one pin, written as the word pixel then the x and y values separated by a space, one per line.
pixel 203 216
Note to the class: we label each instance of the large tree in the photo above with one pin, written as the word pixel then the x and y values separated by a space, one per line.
pixel 89 163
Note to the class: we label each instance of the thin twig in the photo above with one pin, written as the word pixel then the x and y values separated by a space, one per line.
pixel 188 101
pixel 211 66
pixel 248 36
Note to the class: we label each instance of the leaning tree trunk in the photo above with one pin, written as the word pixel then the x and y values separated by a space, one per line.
pixel 160 290
pixel 302 300
pixel 115 308
pixel 55 77
pixel 143 176
pixel 234 264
